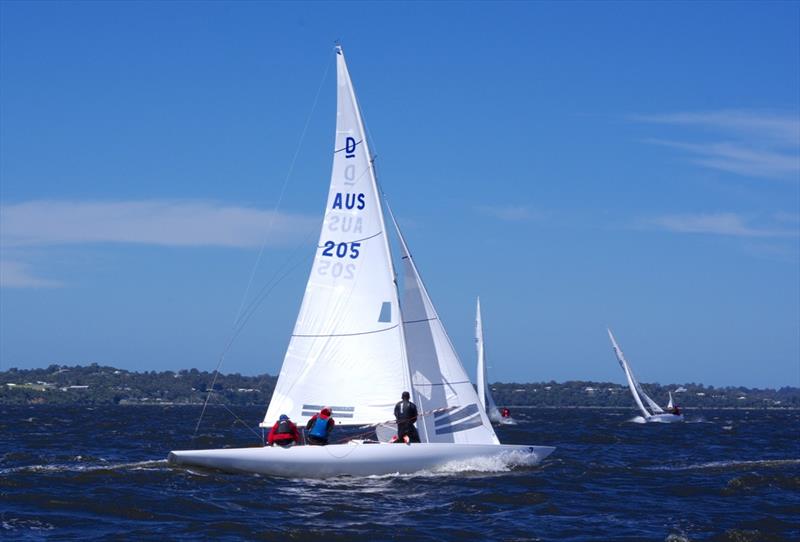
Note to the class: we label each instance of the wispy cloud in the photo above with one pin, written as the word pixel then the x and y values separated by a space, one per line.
pixel 765 145
pixel 19 275
pixel 44 223
pixel 510 213
pixel 731 224
pixel 166 223
pixel 781 129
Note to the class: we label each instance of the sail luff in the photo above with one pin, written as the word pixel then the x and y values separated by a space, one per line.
pixel 631 383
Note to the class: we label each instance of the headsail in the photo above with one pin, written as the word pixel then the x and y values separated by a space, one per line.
pixel 347 350
pixel 438 378
pixel 628 375
pixel 484 393
pixel 652 404
pixel 670 405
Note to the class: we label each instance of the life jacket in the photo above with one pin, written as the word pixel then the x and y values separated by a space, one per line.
pixel 284 428
pixel 320 427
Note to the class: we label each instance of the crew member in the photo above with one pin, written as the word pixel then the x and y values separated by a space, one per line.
pixel 283 433
pixel 319 427
pixel 405 412
pixel 505 413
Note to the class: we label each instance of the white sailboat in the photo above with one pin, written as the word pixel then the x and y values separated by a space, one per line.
pixel 656 413
pixel 355 347
pixel 484 392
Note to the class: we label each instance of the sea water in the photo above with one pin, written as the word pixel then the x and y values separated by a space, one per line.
pixel 94 473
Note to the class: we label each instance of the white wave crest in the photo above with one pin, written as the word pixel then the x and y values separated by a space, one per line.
pixel 70 467
pixel 732 464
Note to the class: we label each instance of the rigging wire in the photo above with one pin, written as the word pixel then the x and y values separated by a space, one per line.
pixel 238 323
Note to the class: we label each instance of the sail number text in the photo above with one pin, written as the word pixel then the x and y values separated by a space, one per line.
pixel 342 250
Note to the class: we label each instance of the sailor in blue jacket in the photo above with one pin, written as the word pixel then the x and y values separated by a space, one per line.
pixel 319 427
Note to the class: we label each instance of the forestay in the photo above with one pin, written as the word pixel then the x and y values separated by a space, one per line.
pixel 438 378
pixel 484 393
pixel 346 350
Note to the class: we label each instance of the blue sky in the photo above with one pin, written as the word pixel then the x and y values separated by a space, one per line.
pixel 576 165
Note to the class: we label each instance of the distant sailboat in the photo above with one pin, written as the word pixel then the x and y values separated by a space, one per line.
pixel 656 413
pixel 484 393
pixel 355 347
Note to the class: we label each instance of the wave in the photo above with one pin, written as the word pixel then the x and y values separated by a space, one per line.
pixel 70 467
pixel 731 464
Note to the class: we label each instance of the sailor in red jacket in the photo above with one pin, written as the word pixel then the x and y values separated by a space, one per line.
pixel 283 433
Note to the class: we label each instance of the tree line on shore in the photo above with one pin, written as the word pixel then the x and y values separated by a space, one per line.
pixel 102 385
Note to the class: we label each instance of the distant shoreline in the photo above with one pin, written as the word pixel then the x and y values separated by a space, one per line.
pixel 105 385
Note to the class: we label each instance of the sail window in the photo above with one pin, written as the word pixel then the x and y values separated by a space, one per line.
pixel 386 312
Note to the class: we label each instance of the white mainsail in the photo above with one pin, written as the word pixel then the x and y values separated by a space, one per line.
pixel 628 374
pixel 347 349
pixel 670 405
pixel 484 393
pixel 439 380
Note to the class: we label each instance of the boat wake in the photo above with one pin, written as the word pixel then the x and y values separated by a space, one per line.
pixel 75 467
pixel 507 462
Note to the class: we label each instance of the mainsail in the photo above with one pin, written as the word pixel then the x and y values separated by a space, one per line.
pixel 484 393
pixel 347 349
pixel 628 374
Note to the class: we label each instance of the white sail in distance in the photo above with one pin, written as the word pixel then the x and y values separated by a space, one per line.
pixel 628 374
pixel 439 381
pixel 347 350
pixel 484 392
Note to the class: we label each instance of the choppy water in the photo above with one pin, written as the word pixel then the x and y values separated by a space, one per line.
pixel 95 474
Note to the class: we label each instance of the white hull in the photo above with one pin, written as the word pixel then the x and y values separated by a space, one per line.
pixel 665 418
pixel 507 421
pixel 357 459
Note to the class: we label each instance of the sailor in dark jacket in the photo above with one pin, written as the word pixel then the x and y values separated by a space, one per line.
pixel 405 412
pixel 319 427
pixel 283 433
